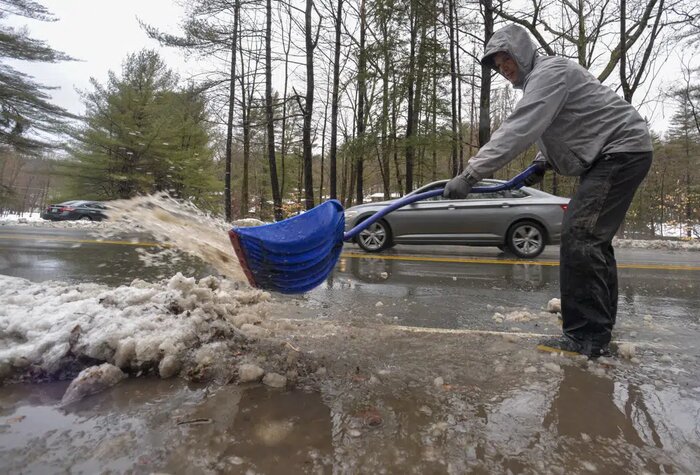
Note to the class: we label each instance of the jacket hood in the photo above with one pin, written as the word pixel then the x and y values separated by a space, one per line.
pixel 515 41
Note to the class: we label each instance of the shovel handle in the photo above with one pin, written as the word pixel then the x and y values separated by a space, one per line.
pixel 512 184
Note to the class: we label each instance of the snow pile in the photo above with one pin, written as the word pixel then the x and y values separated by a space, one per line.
pixel 689 245
pixel 514 316
pixel 627 350
pixel 177 326
pixel 554 306
pixel 24 218
pixel 91 381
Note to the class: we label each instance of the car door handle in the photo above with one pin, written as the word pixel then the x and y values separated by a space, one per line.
pixel 451 207
pixel 505 205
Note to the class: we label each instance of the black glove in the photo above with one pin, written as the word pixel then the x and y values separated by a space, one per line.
pixel 536 176
pixel 459 187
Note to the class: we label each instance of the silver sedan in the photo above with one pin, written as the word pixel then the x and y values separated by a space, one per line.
pixel 522 221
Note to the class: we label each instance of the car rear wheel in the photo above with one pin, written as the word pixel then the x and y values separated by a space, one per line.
pixel 526 239
pixel 85 218
pixel 376 237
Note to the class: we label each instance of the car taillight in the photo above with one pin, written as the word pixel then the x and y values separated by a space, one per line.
pixel 564 207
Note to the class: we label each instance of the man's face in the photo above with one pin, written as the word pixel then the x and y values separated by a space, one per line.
pixel 506 66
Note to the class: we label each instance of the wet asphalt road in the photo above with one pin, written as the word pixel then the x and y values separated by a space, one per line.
pixel 76 255
pixel 441 286
pixel 498 406
pixel 462 288
pixel 445 287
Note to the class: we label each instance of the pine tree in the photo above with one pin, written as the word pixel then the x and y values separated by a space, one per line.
pixel 143 134
pixel 29 122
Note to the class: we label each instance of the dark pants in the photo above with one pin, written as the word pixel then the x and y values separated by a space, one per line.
pixel 588 270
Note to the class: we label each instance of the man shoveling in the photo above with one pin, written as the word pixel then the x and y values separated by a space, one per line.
pixel 583 129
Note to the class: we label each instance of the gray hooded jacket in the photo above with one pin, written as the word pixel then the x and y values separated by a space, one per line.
pixel 571 116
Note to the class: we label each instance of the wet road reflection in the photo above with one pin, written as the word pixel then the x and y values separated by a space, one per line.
pixel 390 401
pixel 144 426
pixel 557 416
pixel 95 262
pixel 468 295
pixel 576 422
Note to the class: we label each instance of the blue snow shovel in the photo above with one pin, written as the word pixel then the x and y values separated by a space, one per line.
pixel 295 255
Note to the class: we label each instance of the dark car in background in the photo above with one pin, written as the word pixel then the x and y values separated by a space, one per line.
pixel 522 221
pixel 82 210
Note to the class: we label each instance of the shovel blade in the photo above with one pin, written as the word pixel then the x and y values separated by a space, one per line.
pixel 294 255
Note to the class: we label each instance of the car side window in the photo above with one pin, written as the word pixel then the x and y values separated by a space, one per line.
pixel 518 194
pixel 433 198
pixel 497 195
pixel 491 195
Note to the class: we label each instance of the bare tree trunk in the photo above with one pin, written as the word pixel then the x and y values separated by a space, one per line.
pixel 385 163
pixel 361 86
pixel 433 175
pixel 394 140
pixel 418 96
pixel 276 198
pixel 453 89
pixel 688 189
pixel 323 137
pixel 623 72
pixel 334 106
pixel 246 106
pixel 283 132
pixel 413 19
pixel 472 107
pixel 229 121
pixel 485 94
pixel 308 109
pixel 460 137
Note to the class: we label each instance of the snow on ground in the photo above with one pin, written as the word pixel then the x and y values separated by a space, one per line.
pixel 33 217
pixel 685 245
pixel 172 327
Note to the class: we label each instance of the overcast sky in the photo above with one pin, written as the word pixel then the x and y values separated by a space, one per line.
pixel 100 33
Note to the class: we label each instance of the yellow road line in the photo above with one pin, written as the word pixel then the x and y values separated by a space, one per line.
pixel 457 260
pixel 85 241
pixel 478 260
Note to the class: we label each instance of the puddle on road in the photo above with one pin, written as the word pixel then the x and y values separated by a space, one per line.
pixel 145 426
pixel 565 417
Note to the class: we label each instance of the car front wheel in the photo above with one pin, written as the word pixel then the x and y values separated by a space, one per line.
pixel 376 237
pixel 526 239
